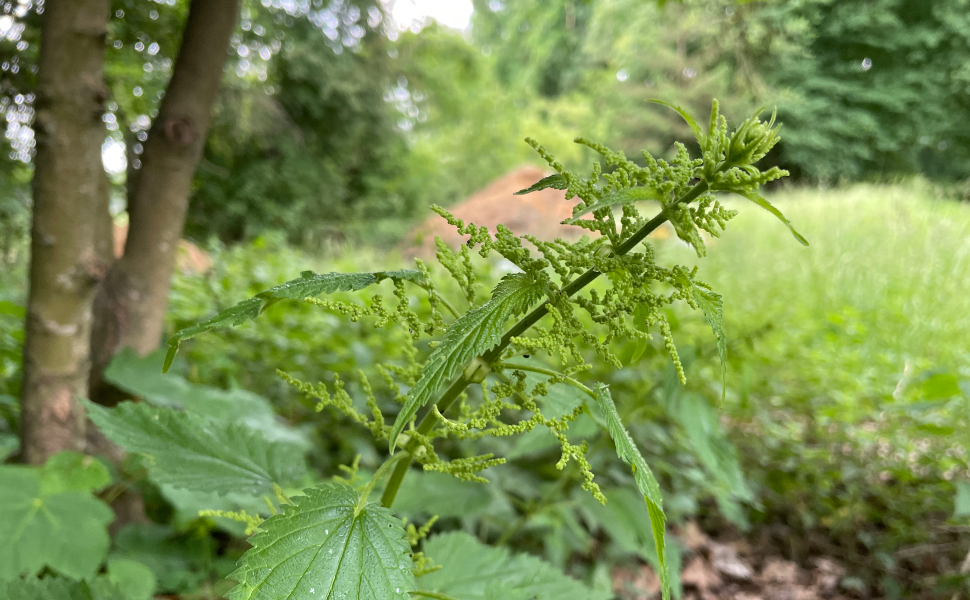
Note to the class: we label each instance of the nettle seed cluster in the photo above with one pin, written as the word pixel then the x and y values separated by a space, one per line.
pixel 554 274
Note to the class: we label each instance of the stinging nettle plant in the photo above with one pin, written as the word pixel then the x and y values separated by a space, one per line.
pixel 479 379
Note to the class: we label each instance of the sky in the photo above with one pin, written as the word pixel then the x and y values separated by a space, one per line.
pixel 452 13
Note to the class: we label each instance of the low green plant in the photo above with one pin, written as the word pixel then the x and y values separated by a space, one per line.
pixel 476 380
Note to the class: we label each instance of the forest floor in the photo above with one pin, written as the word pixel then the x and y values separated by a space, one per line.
pixel 735 570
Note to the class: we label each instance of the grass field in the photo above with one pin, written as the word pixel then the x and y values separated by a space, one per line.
pixel 848 361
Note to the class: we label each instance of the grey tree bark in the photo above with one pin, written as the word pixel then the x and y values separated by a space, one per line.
pixel 70 232
pixel 132 300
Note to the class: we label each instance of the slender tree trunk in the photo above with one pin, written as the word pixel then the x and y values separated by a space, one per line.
pixel 70 235
pixel 131 302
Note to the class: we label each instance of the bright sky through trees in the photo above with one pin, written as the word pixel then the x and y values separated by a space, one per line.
pixel 451 13
pixel 455 14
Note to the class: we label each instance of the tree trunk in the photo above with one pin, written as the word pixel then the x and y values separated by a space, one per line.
pixel 70 235
pixel 131 302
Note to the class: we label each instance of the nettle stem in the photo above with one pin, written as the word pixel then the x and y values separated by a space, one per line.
pixel 428 421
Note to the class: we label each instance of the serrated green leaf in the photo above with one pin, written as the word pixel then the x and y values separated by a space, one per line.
pixel 646 483
pixel 50 519
pixel 473 571
pixel 556 182
pixel 308 285
pixel 624 196
pixel 190 452
pixel 476 332
pixel 143 377
pixel 768 206
pixel 324 547
pixel 689 119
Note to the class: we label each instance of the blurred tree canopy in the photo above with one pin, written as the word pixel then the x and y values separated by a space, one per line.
pixel 333 115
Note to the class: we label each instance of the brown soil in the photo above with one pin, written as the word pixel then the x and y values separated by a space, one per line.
pixel 732 570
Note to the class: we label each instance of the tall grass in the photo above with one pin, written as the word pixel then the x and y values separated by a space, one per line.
pixel 883 290
pixel 831 345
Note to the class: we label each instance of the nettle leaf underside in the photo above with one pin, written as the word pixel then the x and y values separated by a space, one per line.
pixel 646 482
pixel 475 333
pixel 308 285
pixel 326 547
pixel 197 454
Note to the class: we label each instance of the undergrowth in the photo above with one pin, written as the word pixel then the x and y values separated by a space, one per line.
pixel 460 377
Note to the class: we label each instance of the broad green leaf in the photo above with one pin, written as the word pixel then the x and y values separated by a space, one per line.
pixel 473 571
pixel 624 196
pixel 470 336
pixel 646 483
pixel 763 203
pixel 712 306
pixel 50 519
pixel 143 377
pixel 430 493
pixel 689 119
pixel 327 547
pixel 136 579
pixel 73 472
pixel 556 182
pixel 190 452
pixel 308 285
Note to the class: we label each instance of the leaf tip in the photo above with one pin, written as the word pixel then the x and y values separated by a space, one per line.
pixel 173 348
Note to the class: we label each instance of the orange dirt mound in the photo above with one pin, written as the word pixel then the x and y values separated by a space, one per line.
pixel 539 213
pixel 190 259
